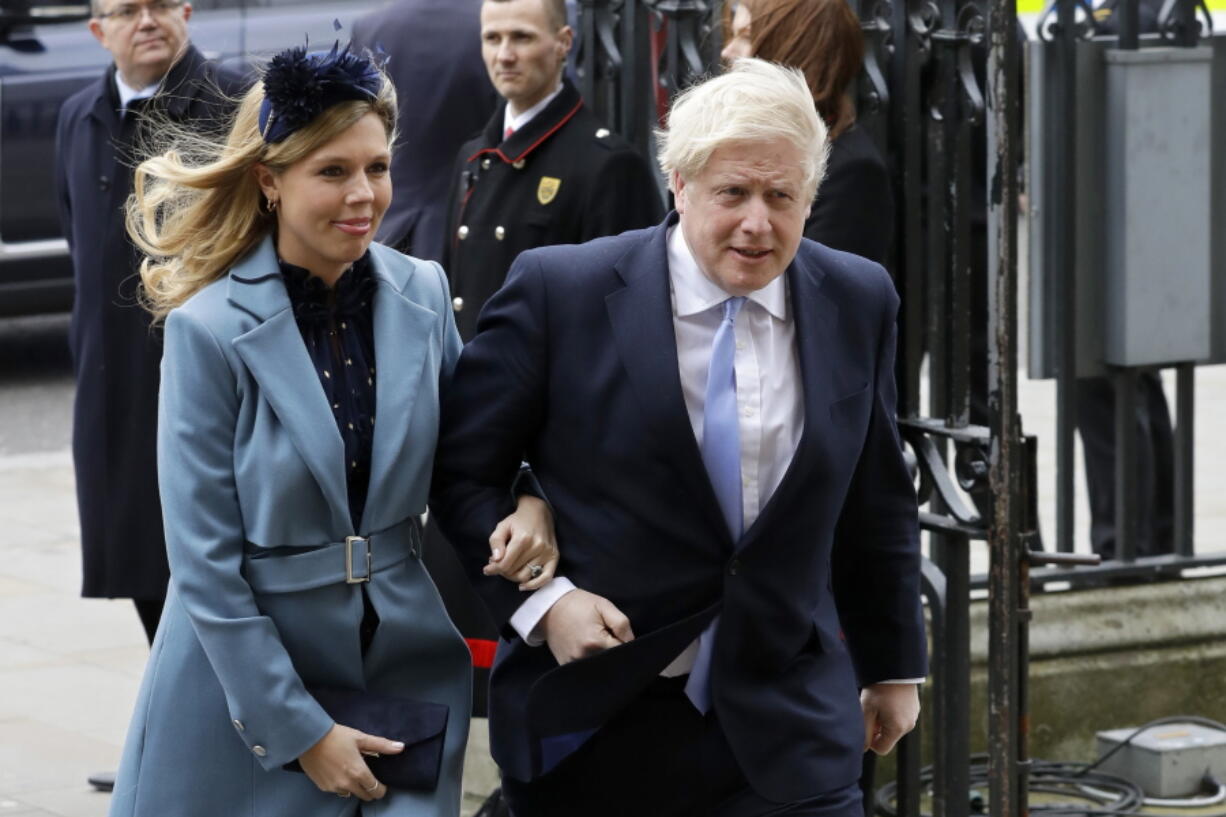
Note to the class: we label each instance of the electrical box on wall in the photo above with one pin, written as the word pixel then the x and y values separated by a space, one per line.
pixel 1166 761
pixel 1148 231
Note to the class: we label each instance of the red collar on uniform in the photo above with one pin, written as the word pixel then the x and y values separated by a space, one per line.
pixel 498 150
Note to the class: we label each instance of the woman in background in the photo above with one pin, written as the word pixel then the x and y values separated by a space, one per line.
pixel 854 210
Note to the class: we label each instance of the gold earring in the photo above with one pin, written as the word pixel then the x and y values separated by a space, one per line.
pixel 272 205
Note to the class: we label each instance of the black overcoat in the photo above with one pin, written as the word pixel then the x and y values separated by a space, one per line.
pixel 561 179
pixel 115 353
pixel 854 209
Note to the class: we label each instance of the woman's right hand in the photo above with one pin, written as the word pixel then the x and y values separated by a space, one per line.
pixel 335 763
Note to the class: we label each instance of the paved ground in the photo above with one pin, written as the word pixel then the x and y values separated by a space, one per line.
pixel 69 668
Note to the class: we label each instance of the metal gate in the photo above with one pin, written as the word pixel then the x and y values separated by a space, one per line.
pixel 941 92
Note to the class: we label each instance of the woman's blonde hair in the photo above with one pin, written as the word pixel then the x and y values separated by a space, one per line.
pixel 197 208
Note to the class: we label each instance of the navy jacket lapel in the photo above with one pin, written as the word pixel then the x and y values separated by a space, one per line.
pixel 641 317
pixel 402 343
pixel 278 360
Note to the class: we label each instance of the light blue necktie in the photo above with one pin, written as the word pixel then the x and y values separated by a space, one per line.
pixel 721 453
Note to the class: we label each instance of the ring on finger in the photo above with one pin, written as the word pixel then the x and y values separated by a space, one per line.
pixel 372 786
pixel 535 571
pixel 344 794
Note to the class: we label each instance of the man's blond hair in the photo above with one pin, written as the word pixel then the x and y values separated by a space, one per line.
pixel 755 101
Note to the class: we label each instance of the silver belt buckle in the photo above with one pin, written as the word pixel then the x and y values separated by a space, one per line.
pixel 363 543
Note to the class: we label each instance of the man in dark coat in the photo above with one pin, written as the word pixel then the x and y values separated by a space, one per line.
pixel 434 59
pixel 544 171
pixel 115 353
pixel 740 548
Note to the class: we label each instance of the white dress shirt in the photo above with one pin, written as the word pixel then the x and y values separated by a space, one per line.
pixel 128 94
pixel 766 367
pixel 515 122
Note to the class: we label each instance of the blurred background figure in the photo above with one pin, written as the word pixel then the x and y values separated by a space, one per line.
pixel 854 210
pixel 115 354
pixel 433 50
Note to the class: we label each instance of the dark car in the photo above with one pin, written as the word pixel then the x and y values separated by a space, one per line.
pixel 46 54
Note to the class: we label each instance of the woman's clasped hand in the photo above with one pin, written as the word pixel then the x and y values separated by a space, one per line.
pixel 336 764
pixel 525 538
pixel 523 548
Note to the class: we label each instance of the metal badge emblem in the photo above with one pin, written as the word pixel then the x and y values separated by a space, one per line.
pixel 547 189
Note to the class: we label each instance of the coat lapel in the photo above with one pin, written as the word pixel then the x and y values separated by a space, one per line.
pixel 817 319
pixel 641 318
pixel 277 358
pixel 402 345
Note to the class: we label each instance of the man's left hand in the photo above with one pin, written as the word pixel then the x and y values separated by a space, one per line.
pixel 890 711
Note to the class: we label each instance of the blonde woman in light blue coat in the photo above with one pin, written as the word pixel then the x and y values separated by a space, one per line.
pixel 292 517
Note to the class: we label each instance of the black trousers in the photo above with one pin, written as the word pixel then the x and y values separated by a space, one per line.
pixel 150 612
pixel 660 758
pixel 1155 464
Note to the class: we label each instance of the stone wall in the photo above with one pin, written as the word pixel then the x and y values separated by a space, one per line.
pixel 1106 659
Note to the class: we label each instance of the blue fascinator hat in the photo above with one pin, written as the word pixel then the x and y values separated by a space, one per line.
pixel 299 86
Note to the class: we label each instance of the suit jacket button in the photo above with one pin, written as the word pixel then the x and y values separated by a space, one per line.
pixel 104 183
pixel 734 567
pixel 258 750
pixel 485 164
pixel 500 233
pixel 238 725
pixel 462 232
pixel 457 303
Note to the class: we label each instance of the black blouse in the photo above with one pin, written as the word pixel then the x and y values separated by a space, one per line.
pixel 337 326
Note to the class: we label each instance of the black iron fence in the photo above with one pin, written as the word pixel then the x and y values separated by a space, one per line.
pixel 942 93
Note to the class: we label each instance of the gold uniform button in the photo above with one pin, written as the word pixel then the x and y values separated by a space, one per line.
pixel 485 164
pixel 457 303
pixel 462 232
pixel 500 233
pixel 602 133
pixel 258 750
pixel 518 164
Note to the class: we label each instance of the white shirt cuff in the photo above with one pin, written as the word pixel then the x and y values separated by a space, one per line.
pixel 535 607
pixel 898 680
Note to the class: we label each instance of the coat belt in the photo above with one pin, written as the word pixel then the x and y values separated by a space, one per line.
pixel 352 561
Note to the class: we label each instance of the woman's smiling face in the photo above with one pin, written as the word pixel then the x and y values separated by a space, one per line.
pixel 330 203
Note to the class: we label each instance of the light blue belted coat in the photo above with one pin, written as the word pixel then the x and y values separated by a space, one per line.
pixel 251 460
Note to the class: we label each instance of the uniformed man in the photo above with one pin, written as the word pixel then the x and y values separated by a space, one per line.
pixel 438 109
pixel 544 171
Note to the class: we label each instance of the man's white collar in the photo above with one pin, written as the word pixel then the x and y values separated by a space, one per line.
pixel 694 292
pixel 128 94
pixel 517 122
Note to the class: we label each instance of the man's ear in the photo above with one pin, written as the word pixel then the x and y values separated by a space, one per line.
pixel 187 12
pixel 566 39
pixel 95 28
pixel 680 200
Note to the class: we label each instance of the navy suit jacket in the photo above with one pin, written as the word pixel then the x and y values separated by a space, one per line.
pixel 574 368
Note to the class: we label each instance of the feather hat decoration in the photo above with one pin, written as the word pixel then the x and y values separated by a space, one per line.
pixel 299 86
